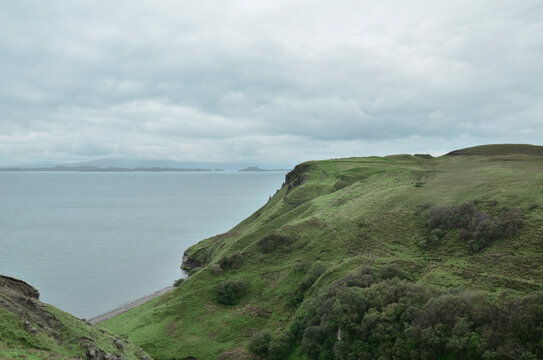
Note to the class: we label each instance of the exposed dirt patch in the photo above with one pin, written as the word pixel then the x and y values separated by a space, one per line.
pixel 236 354
pixel 255 310
pixel 172 330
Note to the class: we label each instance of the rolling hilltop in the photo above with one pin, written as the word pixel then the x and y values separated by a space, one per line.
pixel 392 257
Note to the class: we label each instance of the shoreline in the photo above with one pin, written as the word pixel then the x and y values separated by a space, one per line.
pixel 123 308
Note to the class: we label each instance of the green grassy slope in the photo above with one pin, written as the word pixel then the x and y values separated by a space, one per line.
pixel 30 329
pixel 346 213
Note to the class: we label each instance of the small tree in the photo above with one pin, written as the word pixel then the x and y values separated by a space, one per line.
pixel 259 343
pixel 229 292
pixel 279 346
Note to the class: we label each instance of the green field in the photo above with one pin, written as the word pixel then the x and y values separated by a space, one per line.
pixel 347 214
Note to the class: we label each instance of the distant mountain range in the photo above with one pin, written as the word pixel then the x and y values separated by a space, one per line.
pixel 98 169
pixel 257 169
pixel 116 165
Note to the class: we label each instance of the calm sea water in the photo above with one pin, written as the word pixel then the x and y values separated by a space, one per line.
pixel 90 242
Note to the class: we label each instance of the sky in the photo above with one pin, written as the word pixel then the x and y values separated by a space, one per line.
pixel 266 82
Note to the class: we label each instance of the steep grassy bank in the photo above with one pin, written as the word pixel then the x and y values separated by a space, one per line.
pixel 30 329
pixel 333 218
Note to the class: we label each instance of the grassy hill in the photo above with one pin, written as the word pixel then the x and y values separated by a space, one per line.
pixel 500 149
pixel 30 329
pixel 343 238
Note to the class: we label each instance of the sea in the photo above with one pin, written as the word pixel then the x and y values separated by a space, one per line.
pixel 91 242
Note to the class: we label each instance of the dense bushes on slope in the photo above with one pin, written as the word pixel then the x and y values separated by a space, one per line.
pixel 360 317
pixel 475 227
pixel 260 342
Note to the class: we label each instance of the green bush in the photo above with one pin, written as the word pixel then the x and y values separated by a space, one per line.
pixel 437 232
pixel 229 292
pixel 259 343
pixel 392 271
pixel 178 282
pixel 316 270
pixel 279 346
pixel 475 227
pixel 274 241
pixel 232 261
pixel 396 319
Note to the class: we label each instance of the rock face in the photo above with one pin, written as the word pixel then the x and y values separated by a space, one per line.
pixel 296 177
pixel 94 353
pixel 118 344
pixel 189 264
pixel 11 285
pixel 23 300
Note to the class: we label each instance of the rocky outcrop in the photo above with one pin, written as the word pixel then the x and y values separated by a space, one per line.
pixel 237 354
pixel 94 353
pixel 23 300
pixel 9 285
pixel 296 177
pixel 190 264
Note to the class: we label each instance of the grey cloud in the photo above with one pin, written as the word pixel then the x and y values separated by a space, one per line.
pixel 234 80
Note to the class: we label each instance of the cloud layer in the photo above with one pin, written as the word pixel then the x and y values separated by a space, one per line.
pixel 266 82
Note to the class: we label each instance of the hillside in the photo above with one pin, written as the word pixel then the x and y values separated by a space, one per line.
pixel 30 329
pixel 351 256
pixel 500 149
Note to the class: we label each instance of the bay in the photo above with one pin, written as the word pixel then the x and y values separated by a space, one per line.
pixel 90 242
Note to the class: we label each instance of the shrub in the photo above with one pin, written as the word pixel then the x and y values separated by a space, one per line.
pixel 279 346
pixel 229 292
pixel 392 271
pixel 232 261
pixel 260 343
pixel 510 221
pixel 215 269
pixel 423 244
pixel 361 278
pixel 437 232
pixel 317 269
pixel 274 241
pixel 178 282
pixel 396 319
pixel 478 229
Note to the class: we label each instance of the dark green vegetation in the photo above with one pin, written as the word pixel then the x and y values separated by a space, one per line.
pixel 230 292
pixel 336 264
pixel 30 329
pixel 474 227
pixel 360 317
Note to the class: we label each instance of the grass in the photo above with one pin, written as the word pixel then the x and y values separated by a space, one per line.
pixel 349 213
pixel 65 343
pixel 500 149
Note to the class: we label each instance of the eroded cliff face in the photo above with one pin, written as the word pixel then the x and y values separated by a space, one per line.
pixel 28 325
pixel 20 298
pixel 190 264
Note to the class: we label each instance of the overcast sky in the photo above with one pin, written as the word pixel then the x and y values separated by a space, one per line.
pixel 266 82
